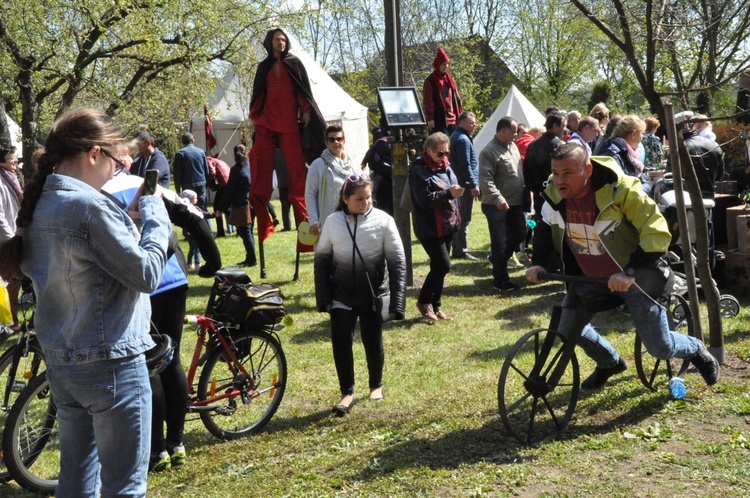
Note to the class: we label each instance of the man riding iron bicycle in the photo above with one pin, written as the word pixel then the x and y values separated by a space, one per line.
pixel 602 224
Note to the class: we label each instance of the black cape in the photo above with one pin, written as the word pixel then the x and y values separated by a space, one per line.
pixel 313 135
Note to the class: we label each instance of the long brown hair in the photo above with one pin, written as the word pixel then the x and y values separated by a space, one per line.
pixel 74 132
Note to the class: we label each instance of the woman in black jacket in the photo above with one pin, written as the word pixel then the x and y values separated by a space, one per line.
pixel 237 198
pixel 434 192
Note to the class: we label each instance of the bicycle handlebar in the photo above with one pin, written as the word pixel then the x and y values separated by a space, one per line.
pixel 573 278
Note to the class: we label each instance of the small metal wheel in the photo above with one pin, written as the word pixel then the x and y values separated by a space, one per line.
pixel 729 306
pixel 654 372
pixel 532 410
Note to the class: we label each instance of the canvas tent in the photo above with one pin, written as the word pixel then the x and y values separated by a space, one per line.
pixel 515 105
pixel 230 104
pixel 15 136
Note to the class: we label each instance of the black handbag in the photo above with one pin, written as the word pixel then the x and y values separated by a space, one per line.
pixel 381 304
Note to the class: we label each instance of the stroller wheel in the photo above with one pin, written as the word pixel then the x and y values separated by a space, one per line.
pixel 729 306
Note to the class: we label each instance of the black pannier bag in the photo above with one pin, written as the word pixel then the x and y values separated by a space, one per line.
pixel 252 306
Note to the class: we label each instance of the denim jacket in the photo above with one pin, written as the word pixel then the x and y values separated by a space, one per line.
pixel 92 272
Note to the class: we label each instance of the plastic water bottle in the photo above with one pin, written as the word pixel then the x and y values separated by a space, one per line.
pixel 677 388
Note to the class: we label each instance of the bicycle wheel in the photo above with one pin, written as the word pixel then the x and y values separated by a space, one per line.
pixel 14 382
pixel 654 372
pixel 531 410
pixel 245 404
pixel 30 439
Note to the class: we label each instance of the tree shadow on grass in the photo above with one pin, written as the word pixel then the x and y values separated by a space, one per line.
pixel 492 443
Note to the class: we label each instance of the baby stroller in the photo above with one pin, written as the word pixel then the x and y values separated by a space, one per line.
pixel 665 198
pixel 728 304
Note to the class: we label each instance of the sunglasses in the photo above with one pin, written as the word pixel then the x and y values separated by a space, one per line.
pixel 442 154
pixel 335 139
pixel 355 179
pixel 119 165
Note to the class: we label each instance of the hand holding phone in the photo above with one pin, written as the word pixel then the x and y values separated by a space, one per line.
pixel 149 185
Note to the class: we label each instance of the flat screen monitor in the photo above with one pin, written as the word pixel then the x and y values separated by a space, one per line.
pixel 400 106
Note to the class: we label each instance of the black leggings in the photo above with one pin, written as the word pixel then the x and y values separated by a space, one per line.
pixel 342 334
pixel 170 389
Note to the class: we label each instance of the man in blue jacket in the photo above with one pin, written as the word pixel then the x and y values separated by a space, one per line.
pixel 463 160
pixel 191 169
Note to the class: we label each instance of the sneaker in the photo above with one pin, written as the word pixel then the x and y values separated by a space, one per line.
pixel 443 316
pixel 467 255
pixel 514 263
pixel 162 462
pixel 177 457
pixel 706 365
pixel 506 287
pixel 427 312
pixel 600 375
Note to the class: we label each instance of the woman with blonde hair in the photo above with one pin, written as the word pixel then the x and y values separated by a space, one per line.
pixel 623 146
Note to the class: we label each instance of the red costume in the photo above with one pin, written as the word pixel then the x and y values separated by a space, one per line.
pixel 440 98
pixel 281 94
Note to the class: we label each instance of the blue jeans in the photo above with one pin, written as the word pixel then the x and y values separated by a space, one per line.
pixel 507 232
pixel 104 415
pixel 650 325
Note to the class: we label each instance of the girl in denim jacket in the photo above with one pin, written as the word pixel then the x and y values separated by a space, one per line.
pixel 92 271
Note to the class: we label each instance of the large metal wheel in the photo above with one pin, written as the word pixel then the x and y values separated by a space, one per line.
pixel 654 372
pixel 243 404
pixel 532 410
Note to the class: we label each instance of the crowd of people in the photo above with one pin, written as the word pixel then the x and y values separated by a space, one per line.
pixel 582 179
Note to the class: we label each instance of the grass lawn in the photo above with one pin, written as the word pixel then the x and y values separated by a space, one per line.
pixel 438 432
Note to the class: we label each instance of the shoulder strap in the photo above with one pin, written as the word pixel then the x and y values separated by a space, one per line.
pixel 356 248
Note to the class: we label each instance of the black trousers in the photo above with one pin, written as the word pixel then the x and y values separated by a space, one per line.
pixel 438 250
pixel 342 339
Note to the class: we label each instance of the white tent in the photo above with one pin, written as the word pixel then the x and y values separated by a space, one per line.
pixel 514 105
pixel 15 136
pixel 231 103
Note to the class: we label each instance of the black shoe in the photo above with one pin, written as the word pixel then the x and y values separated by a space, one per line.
pixel 276 222
pixel 600 375
pixel 506 287
pixel 706 365
pixel 340 410
pixel 246 263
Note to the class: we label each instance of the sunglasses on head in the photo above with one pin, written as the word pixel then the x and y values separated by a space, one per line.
pixel 335 139
pixel 119 165
pixel 356 178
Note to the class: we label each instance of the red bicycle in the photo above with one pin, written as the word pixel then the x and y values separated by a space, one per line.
pixel 240 386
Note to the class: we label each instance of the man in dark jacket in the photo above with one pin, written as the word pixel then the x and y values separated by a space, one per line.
pixel 191 169
pixel 283 110
pixel 537 163
pixel 150 158
pixel 707 156
pixel 465 165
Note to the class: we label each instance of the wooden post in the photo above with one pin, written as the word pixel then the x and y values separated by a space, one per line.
pixel 687 248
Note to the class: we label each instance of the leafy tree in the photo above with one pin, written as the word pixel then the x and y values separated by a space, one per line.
pixel 147 61
pixel 600 93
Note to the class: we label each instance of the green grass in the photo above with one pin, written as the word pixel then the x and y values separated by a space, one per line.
pixel 438 432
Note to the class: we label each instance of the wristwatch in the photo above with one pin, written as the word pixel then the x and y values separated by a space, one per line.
pixel 629 271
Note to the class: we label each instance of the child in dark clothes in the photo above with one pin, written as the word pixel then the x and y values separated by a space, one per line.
pixel 194 255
